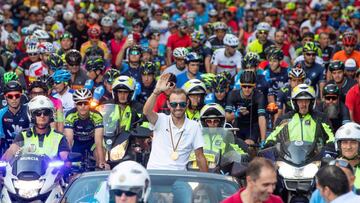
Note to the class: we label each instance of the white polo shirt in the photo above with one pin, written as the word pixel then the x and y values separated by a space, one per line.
pixel 162 149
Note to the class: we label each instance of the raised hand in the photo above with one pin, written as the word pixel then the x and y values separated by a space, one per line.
pixel 163 83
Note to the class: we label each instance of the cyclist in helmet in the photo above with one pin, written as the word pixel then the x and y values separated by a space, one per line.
pixel 217 41
pixel 228 58
pixel 192 62
pixel 84 127
pixel 95 67
pixel 66 43
pixel 349 41
pixel 261 42
pixel 147 82
pixel 135 187
pixel 131 67
pixel 23 63
pixel 178 67
pixel 94 40
pixel 9 52
pixel 197 46
pixel 78 75
pixel 40 111
pixel 275 74
pixel 333 107
pixel 251 63
pixel 128 112
pixel 176 40
pixel 245 107
pixel 221 88
pixel 296 77
pixel 350 68
pixel 347 139
pixel 195 90
pixel 61 88
pixel 45 49
pixel 108 80
pixel 315 72
pixel 13 116
pixel 54 62
pixel 304 123
pixel 106 25
pixel 337 69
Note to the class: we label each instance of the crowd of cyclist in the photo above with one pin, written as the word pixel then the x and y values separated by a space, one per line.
pixel 259 67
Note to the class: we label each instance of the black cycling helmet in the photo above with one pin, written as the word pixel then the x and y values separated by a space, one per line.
pixel 12 86
pixel 95 63
pixel 94 51
pixel 276 54
pixel 135 50
pixel 111 75
pixel 73 57
pixel 38 84
pixel 54 62
pixel 147 68
pixel 248 77
pixel 336 65
pixel 220 83
pixel 331 89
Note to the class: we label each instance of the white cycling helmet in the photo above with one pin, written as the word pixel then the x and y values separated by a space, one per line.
pixel 49 20
pixel 82 94
pixel 132 177
pixel 212 110
pixel 68 15
pixel 263 26
pixel 303 91
pixel 41 35
pixel 46 47
pixel 231 40
pixel 194 86
pixel 180 52
pixel 32 48
pixel 348 131
pixel 39 103
pixel 124 82
pixel 107 21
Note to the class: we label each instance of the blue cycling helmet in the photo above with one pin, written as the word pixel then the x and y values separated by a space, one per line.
pixel 61 76
pixel 192 57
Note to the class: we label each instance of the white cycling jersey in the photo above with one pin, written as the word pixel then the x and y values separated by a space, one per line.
pixel 224 63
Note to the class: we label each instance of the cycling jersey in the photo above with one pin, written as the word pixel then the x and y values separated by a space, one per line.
pixel 225 63
pixel 311 127
pixel 257 47
pixel 276 80
pixel 134 73
pixel 261 83
pixel 145 92
pixel 345 87
pixel 66 99
pixel 342 56
pixel 214 43
pixel 182 78
pixel 83 129
pixel 314 74
pixel 79 80
pixel 202 53
pixel 12 124
pixel 174 70
pixel 342 115
pixel 284 98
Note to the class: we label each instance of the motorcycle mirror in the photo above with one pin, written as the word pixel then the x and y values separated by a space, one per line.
pixel 74 157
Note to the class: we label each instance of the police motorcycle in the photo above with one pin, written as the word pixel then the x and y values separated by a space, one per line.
pixel 222 153
pixel 31 177
pixel 298 163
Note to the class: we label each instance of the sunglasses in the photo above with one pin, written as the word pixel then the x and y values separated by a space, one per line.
pixel 176 104
pixel 310 54
pixel 234 47
pixel 342 163
pixel 349 45
pixel 127 193
pixel 81 103
pixel 44 112
pixel 33 54
pixel 37 93
pixel 263 32
pixel 134 53
pixel 333 98
pixel 247 86
pixel 57 82
pixel 212 121
pixel 12 96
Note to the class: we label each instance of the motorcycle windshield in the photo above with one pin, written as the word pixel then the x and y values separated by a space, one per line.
pixel 111 117
pixel 297 152
pixel 30 162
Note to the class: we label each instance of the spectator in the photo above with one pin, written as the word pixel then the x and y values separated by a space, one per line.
pixel 260 184
pixel 178 39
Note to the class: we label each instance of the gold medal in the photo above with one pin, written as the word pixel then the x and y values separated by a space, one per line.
pixel 174 156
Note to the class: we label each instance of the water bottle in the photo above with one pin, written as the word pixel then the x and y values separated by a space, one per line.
pixel 89 84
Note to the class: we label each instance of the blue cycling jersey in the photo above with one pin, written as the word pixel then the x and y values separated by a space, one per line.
pixel 12 124
pixel 314 74
pixel 276 80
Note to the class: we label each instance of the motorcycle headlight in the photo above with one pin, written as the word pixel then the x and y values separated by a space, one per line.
pixel 28 189
pixel 292 172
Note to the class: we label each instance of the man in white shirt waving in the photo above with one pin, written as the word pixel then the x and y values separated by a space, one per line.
pixel 175 136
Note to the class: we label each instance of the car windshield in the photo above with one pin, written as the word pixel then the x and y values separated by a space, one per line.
pixel 163 189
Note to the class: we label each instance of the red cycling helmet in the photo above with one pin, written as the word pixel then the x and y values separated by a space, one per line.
pixel 94 32
pixel 349 39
